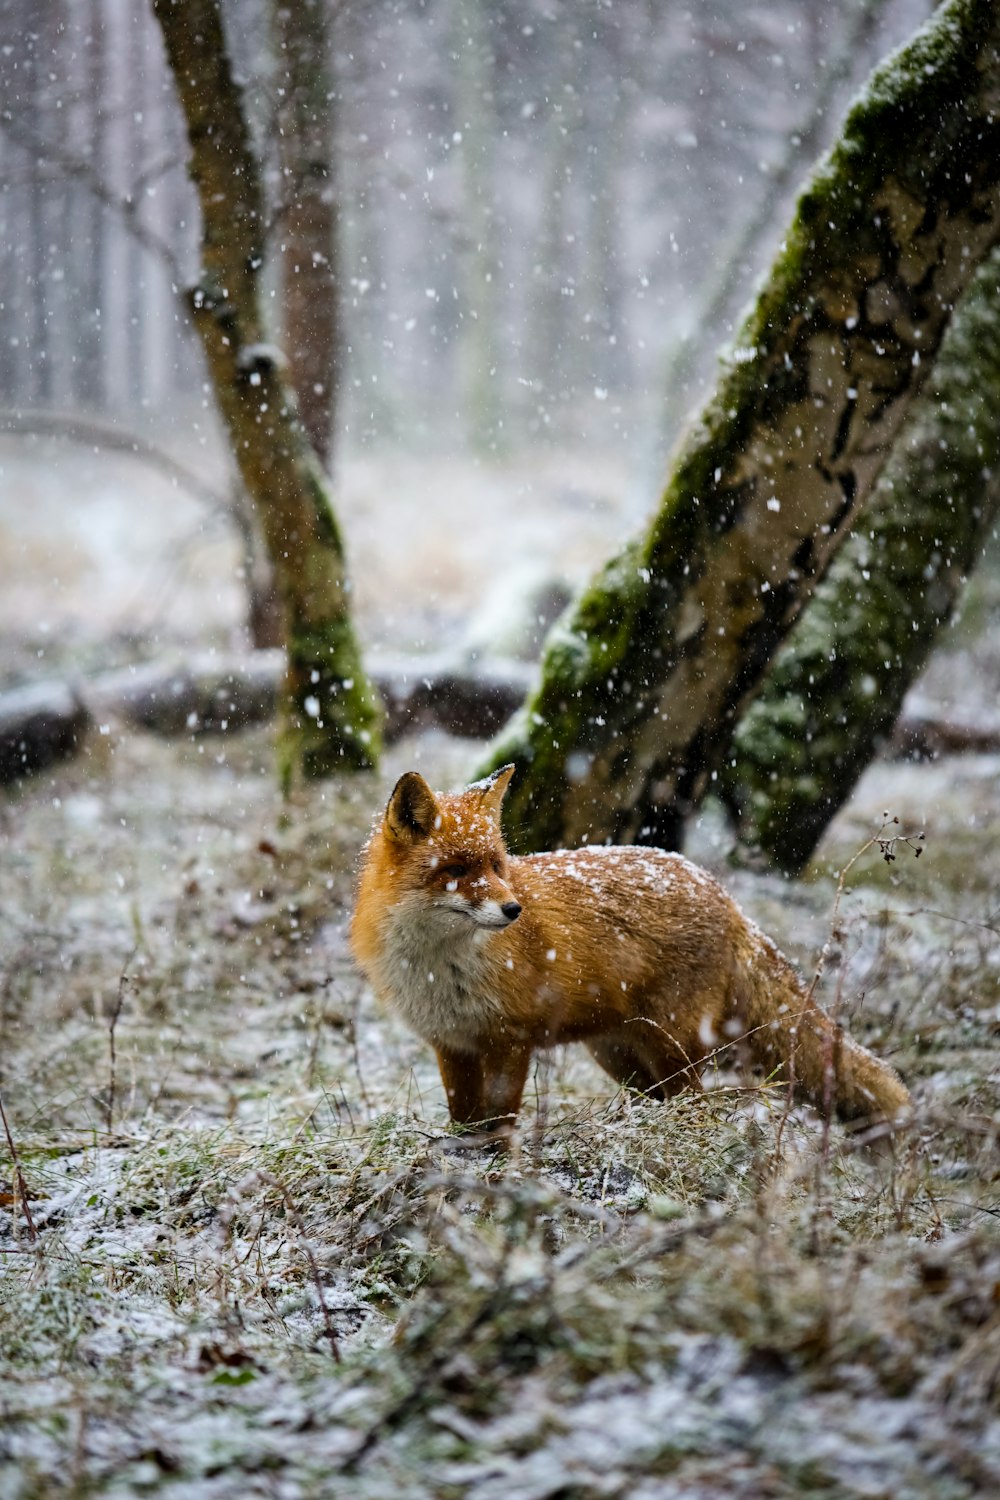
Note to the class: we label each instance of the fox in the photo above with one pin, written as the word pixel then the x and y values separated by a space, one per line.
pixel 637 953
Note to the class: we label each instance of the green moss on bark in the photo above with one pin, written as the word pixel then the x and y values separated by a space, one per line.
pixel 330 717
pixel 582 661
pixel 835 689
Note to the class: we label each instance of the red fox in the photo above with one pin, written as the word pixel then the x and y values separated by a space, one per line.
pixel 637 953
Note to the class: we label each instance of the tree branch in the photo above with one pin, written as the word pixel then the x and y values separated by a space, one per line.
pixel 124 205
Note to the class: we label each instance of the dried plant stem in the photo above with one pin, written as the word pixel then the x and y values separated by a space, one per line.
pixel 887 844
pixel 112 1025
pixel 21 1185
pixel 298 1225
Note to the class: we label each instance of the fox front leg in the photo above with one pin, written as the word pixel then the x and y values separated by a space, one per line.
pixel 484 1088
pixel 462 1076
pixel 505 1069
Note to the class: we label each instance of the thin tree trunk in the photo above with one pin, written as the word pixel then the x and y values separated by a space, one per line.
pixel 330 713
pixel 90 215
pixel 642 682
pixel 308 227
pixel 548 336
pixel 136 285
pixel 832 695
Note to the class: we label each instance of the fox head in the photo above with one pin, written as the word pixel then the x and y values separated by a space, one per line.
pixel 448 853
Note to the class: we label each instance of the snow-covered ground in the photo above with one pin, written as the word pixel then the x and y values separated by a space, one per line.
pixel 236 1165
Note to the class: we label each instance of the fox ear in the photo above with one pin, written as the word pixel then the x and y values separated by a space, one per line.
pixel 493 788
pixel 412 812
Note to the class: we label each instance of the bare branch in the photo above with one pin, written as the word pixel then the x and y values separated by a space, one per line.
pixel 100 434
pixel 83 171
pixel 113 1020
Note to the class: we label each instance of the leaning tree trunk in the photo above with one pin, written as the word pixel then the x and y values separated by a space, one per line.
pixel 833 693
pixel 329 712
pixel 642 681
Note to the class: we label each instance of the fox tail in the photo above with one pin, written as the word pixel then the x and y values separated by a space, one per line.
pixel 788 1034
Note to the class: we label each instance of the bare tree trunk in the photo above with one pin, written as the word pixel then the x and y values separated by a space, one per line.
pixel 641 683
pixel 603 277
pixel 39 369
pixel 308 207
pixel 136 285
pixel 548 334
pixel 330 712
pixel 832 695
pixel 8 278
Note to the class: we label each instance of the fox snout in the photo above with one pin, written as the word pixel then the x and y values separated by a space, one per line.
pixel 494 913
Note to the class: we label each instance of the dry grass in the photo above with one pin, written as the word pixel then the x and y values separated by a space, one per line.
pixel 263 1266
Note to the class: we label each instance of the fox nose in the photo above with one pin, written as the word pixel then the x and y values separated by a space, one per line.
pixel 511 909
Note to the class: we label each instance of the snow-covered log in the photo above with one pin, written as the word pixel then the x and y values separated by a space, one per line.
pixel 216 693
pixel 39 725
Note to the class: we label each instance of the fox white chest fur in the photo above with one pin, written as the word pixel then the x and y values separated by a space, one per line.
pixel 434 966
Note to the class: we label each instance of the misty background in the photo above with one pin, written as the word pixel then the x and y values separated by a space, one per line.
pixel 549 219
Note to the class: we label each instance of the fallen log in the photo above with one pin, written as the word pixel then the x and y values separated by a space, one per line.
pixel 217 694
pixel 921 734
pixel 39 725
pixel 209 693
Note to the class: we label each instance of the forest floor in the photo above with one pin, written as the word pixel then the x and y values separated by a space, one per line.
pixel 254 1262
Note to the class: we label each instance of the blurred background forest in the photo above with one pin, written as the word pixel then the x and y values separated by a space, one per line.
pixel 543 219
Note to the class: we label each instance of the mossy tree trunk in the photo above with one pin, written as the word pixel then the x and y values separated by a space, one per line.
pixel 329 712
pixel 643 679
pixel 832 694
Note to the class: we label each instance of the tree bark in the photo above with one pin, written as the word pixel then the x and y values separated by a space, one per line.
pixel 329 713
pixel 832 695
pixel 641 683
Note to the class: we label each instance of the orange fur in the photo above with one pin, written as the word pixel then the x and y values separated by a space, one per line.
pixel 639 954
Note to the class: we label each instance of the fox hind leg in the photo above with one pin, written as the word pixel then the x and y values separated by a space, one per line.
pixel 648 1066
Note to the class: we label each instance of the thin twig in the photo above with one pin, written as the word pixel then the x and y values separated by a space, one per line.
pixel 83 171
pixel 112 1024
pixel 356 1051
pixel 887 844
pixel 100 434
pixel 22 1187
pixel 307 1251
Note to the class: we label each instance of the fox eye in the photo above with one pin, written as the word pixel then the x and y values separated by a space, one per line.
pixel 497 867
pixel 454 872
